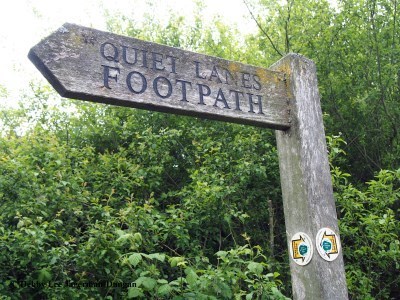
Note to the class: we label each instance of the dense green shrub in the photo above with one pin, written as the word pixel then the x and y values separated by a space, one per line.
pixel 370 230
pixel 168 204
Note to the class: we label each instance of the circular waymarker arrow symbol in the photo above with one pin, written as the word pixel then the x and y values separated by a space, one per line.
pixel 327 244
pixel 301 248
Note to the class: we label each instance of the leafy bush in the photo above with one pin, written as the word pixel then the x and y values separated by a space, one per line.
pixel 370 229
pixel 135 201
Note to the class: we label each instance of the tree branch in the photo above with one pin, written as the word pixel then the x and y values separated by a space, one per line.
pixel 287 41
pixel 262 29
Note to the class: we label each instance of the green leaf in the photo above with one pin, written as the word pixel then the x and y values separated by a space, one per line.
pixel 191 276
pixel 158 256
pixel 53 260
pixel 221 254
pixel 148 282
pixel 162 281
pixel 164 290
pixel 249 296
pixel 135 259
pixel 137 237
pixel 124 237
pixel 20 224
pixel 255 267
pixel 134 292
pixel 175 260
pixel 44 275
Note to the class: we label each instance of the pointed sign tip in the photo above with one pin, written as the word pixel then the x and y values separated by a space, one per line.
pixel 41 66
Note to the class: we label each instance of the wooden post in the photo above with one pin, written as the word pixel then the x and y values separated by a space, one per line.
pixel 306 182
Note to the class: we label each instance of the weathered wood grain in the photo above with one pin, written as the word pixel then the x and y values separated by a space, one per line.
pixel 306 182
pixel 88 64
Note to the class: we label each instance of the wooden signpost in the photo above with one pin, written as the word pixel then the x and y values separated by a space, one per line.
pixel 87 64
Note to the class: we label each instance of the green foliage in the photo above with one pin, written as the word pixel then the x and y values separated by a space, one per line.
pixel 370 231
pixel 355 45
pixel 236 275
pixel 163 203
pixel 140 201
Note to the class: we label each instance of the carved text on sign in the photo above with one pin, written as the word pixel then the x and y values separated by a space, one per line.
pixel 160 83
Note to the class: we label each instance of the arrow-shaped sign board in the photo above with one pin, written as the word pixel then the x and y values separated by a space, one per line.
pixel 88 64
